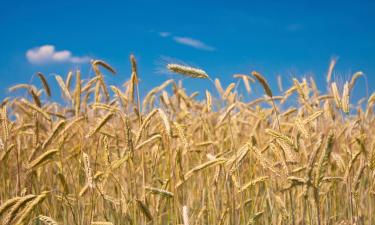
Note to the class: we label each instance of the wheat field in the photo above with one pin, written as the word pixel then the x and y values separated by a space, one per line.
pixel 104 155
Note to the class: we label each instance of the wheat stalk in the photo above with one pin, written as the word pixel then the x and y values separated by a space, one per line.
pixel 187 71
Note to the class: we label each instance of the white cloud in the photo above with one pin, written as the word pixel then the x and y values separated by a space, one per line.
pixel 48 54
pixel 193 43
pixel 164 34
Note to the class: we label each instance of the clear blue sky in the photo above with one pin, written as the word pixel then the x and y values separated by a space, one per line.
pixel 221 37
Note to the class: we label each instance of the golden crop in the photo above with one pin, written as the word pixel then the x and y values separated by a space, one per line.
pixel 106 157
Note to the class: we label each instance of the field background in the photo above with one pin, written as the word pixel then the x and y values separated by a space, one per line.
pixel 104 156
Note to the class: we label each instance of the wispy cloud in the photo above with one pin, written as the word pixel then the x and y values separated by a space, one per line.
pixel 47 54
pixel 193 43
pixel 188 41
pixel 165 34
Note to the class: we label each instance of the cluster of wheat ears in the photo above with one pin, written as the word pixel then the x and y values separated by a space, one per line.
pixel 104 156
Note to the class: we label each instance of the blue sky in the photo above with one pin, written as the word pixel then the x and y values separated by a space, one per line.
pixel 221 37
